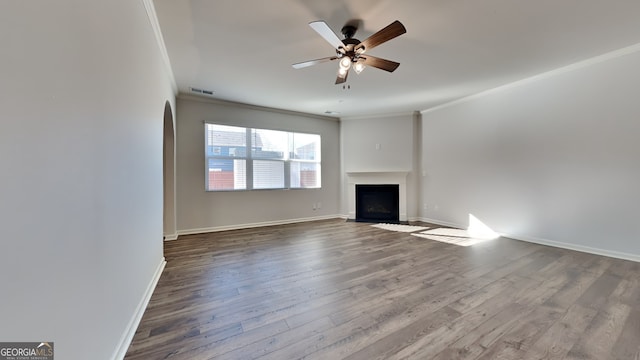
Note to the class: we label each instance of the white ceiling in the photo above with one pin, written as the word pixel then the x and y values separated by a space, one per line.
pixel 243 49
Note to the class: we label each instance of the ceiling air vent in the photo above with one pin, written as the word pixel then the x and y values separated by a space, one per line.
pixel 201 91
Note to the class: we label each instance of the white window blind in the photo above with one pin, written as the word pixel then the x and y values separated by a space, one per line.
pixel 268 174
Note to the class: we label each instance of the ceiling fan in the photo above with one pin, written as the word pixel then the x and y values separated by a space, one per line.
pixel 351 52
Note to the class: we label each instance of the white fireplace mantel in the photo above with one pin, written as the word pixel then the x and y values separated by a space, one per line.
pixel 376 178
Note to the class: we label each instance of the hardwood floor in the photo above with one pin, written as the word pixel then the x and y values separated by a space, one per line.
pixel 343 290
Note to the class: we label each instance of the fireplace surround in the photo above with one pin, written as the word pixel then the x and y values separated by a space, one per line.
pixel 398 178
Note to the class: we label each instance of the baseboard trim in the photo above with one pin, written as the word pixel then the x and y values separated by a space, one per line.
pixel 254 225
pixel 442 223
pixel 169 237
pixel 547 242
pixel 127 337
pixel 576 247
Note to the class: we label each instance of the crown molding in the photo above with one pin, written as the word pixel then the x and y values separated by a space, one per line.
pixel 202 99
pixel 155 25
pixel 572 67
pixel 378 116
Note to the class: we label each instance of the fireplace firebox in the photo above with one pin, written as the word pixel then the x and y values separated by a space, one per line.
pixel 378 203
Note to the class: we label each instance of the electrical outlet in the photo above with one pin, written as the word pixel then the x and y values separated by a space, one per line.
pixel 313 206
pixel 319 205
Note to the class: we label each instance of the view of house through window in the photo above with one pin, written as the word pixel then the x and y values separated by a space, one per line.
pixel 239 158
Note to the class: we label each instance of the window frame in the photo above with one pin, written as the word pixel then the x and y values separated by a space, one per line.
pixel 287 159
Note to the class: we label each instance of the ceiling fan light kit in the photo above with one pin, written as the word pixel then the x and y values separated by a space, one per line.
pixel 351 51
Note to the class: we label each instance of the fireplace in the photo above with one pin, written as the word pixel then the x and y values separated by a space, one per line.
pixel 378 203
pixel 376 178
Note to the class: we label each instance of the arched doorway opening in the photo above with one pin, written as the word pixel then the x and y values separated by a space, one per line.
pixel 169 177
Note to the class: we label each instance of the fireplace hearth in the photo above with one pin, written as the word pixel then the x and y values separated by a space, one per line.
pixel 378 203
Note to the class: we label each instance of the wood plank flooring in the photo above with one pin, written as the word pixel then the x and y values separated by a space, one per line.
pixel 344 290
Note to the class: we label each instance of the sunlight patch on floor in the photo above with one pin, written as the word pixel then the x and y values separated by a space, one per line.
pixel 450 236
pixel 477 233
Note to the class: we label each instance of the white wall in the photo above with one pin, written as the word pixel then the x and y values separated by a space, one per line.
pixel 82 98
pixel 385 143
pixel 392 133
pixel 200 211
pixel 553 159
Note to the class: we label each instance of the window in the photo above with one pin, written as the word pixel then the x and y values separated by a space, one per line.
pixel 239 158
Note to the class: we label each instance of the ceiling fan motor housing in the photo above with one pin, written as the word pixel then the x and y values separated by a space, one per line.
pixel 349 49
pixel 348 31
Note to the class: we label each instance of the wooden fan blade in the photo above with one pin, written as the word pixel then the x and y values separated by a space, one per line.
pixel 313 62
pixel 392 30
pixel 379 63
pixel 325 31
pixel 342 78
